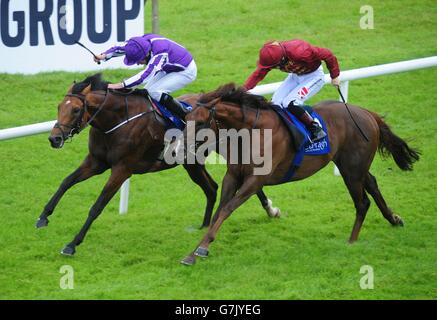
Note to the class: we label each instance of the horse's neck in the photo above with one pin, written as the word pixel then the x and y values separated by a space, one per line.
pixel 117 108
pixel 232 116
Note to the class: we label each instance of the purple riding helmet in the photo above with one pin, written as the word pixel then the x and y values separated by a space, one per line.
pixel 136 49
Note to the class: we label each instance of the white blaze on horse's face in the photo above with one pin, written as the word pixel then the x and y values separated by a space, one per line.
pixel 68 110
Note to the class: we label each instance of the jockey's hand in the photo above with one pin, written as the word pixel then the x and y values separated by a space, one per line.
pixel 336 82
pixel 115 86
pixel 99 57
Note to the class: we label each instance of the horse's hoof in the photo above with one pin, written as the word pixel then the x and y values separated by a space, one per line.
pixel 42 222
pixel 201 252
pixel 203 226
pixel 275 213
pixel 398 221
pixel 68 251
pixel 272 212
pixel 189 260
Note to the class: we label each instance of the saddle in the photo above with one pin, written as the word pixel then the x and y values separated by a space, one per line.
pixel 301 138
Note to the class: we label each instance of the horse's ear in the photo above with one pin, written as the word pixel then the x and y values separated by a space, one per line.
pixel 86 90
pixel 213 102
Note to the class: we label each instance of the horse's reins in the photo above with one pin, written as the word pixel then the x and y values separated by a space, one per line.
pixel 350 114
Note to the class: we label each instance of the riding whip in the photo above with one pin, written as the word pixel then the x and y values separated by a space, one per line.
pixel 350 114
pixel 83 46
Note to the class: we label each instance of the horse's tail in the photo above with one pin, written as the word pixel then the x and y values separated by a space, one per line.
pixel 389 143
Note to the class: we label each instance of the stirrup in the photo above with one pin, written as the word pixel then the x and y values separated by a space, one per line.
pixel 317 133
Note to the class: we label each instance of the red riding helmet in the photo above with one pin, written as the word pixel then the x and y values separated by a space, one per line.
pixel 271 54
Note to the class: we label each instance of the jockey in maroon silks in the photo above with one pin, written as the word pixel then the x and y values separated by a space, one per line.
pixel 303 62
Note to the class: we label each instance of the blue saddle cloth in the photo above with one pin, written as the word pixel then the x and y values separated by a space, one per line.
pixel 303 145
pixel 172 120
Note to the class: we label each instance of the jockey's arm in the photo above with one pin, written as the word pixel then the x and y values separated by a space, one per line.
pixel 119 85
pixel 116 51
pixel 331 62
pixel 257 76
pixel 155 64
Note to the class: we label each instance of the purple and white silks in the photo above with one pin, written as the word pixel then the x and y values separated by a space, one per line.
pixel 166 56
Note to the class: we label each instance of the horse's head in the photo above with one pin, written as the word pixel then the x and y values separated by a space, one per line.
pixel 72 112
pixel 203 114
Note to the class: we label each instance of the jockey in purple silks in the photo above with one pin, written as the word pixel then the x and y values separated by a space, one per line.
pixel 169 67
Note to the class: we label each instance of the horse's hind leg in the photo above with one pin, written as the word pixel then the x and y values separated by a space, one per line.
pixel 372 188
pixel 89 167
pixel 201 177
pixel 354 178
pixel 362 204
pixel 272 212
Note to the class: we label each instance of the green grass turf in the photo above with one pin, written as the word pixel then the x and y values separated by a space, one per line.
pixel 302 255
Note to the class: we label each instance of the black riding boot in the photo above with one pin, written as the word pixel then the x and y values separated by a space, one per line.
pixel 173 105
pixel 316 130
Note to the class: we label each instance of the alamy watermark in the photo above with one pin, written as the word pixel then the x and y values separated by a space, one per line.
pixel 367 20
pixel 242 146
pixel 67 279
pixel 367 280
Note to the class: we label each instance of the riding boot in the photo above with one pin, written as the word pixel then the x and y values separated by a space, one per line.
pixel 313 127
pixel 173 105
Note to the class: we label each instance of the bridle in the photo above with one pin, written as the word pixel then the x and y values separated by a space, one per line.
pixel 212 112
pixel 76 127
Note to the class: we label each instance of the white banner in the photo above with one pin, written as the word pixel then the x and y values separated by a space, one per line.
pixel 40 35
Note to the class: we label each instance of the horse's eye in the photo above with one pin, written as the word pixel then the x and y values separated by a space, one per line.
pixel 76 110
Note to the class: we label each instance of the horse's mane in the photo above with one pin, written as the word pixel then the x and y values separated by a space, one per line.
pixel 231 93
pixel 95 81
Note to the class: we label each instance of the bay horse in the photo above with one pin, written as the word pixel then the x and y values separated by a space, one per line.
pixel 126 136
pixel 230 107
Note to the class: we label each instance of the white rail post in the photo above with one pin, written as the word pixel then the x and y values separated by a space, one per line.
pixel 344 88
pixel 155 16
pixel 124 197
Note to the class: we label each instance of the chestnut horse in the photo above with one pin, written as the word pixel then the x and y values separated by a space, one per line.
pixel 126 136
pixel 231 107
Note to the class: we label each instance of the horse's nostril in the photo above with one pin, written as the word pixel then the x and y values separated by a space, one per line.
pixel 55 140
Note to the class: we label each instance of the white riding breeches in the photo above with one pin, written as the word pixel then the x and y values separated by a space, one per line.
pixel 164 82
pixel 299 88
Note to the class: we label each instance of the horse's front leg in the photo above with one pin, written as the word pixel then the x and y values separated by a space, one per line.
pixel 201 177
pixel 89 167
pixel 118 176
pixel 250 186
